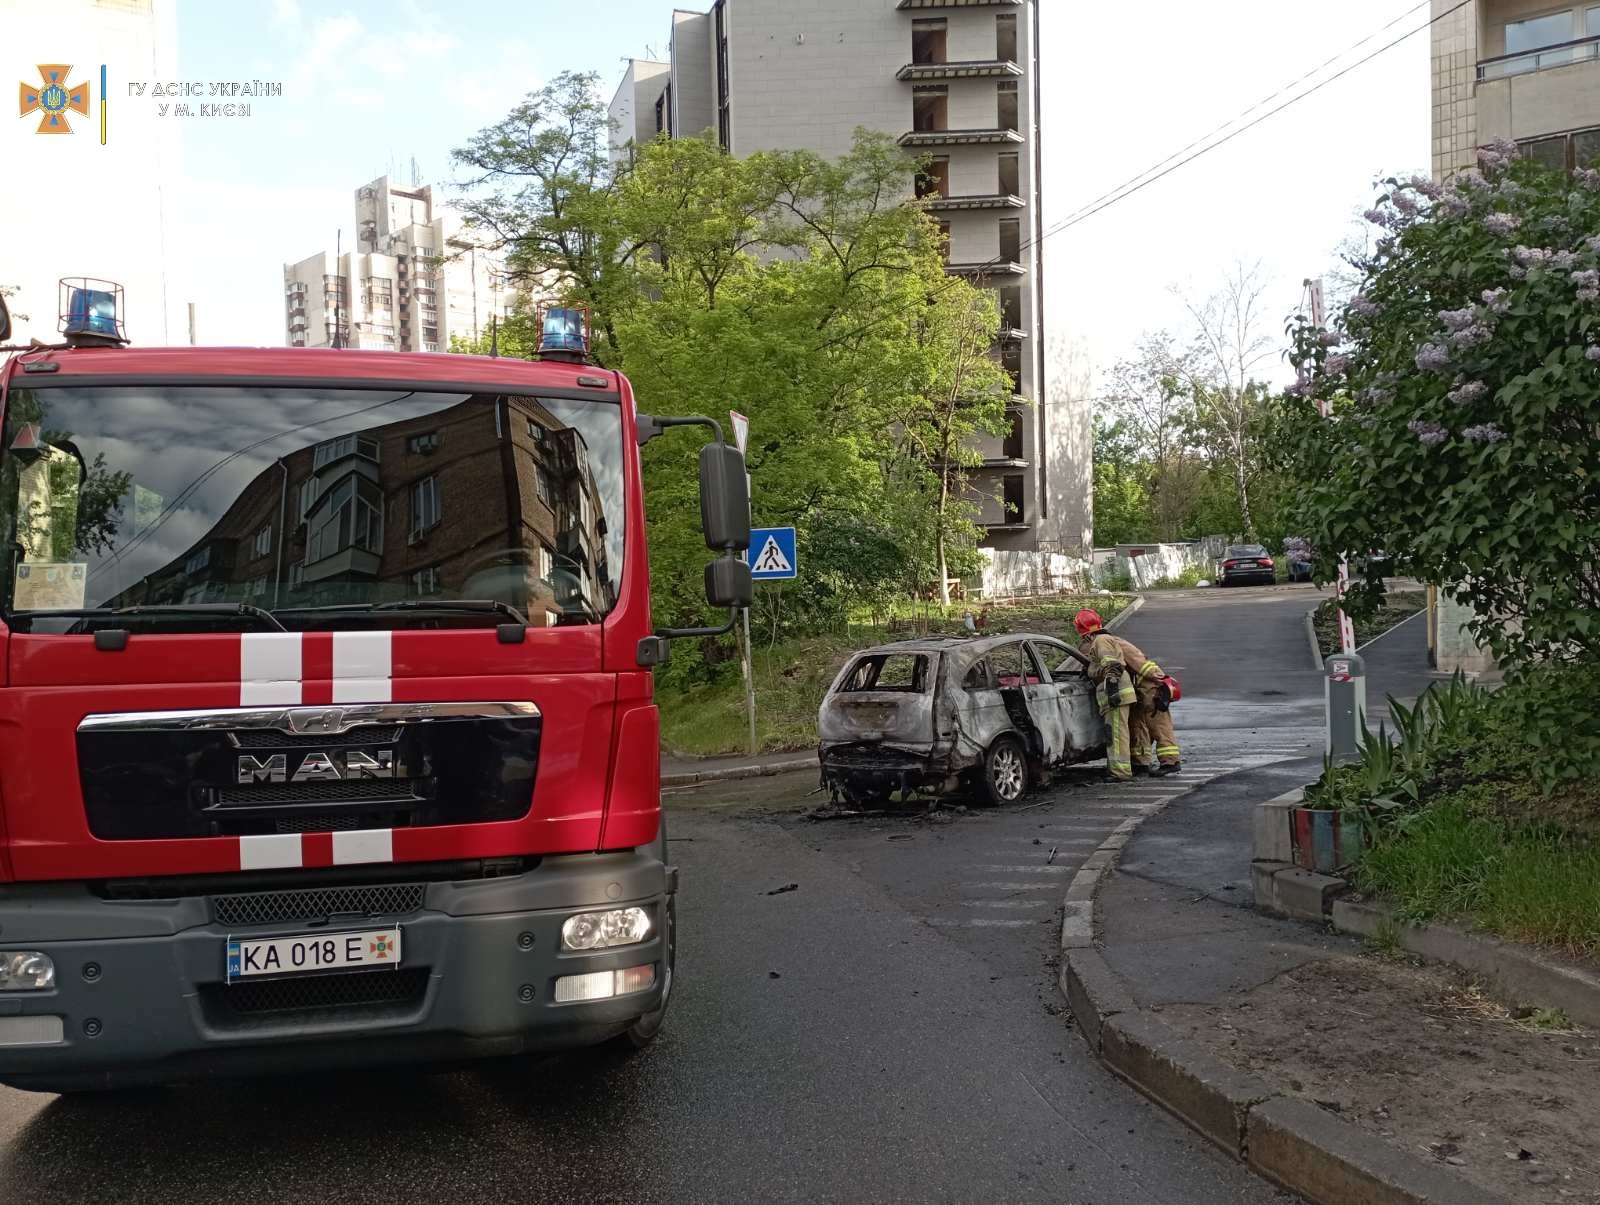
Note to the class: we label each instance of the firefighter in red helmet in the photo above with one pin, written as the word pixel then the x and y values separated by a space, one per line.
pixel 1132 692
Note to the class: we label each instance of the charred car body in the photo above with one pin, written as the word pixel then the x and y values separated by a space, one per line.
pixel 998 712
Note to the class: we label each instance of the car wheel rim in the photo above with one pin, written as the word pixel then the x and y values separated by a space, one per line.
pixel 1007 774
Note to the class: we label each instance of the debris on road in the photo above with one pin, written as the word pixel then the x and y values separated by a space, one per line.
pixel 786 888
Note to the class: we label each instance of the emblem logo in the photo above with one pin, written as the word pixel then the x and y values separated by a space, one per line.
pixel 316 767
pixel 54 98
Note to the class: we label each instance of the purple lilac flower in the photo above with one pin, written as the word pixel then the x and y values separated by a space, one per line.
pixel 1429 434
pixel 1589 178
pixel 1376 395
pixel 1468 392
pixel 1361 306
pixel 1563 260
pixel 1484 433
pixel 1589 278
pixel 1589 294
pixel 1502 224
pixel 1456 320
pixel 1455 206
pixel 1336 365
pixel 1405 203
pixel 1299 389
pixel 1330 338
pixel 1593 353
pixel 1433 357
pixel 1497 156
pixel 1530 256
pixel 1498 301
pixel 1425 186
pixel 1517 273
pixel 1475 335
pixel 1378 217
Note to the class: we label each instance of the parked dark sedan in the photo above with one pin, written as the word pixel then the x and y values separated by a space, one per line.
pixel 1246 563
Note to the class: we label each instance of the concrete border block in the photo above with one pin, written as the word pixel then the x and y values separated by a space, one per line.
pixel 1273 830
pixel 1358 920
pixel 1261 876
pixel 1311 1152
pixel 1127 613
pixel 1311 638
pixel 691 778
pixel 1304 894
pixel 1094 993
pixel 1208 1095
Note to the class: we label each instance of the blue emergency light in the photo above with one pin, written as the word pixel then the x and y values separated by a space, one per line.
pixel 564 331
pixel 91 311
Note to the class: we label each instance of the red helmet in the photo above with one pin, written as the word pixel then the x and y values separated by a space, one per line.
pixel 1086 622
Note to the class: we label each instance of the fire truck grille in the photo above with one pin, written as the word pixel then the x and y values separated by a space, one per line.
pixel 316 903
pixel 350 790
pixel 340 823
pixel 267 738
pixel 360 989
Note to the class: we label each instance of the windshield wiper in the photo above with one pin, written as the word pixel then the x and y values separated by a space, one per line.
pixel 221 610
pixel 447 606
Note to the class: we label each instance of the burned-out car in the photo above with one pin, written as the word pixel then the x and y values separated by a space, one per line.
pixel 996 712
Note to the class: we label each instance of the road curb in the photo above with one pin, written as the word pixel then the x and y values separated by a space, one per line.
pixel 1311 636
pixel 725 773
pixel 1287 1140
pixel 1127 613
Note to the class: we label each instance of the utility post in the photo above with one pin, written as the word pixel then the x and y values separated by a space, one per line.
pixel 741 436
pixel 1345 682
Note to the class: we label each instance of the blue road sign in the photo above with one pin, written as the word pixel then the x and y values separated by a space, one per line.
pixel 772 554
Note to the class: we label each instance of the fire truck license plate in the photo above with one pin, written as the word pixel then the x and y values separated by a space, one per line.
pixel 311 952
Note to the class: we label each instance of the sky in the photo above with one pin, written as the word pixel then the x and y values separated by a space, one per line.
pixel 370 85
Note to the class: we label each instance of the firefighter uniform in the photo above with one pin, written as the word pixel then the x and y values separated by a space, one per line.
pixel 1117 695
pixel 1132 693
pixel 1149 723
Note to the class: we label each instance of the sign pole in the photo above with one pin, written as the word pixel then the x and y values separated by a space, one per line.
pixel 741 435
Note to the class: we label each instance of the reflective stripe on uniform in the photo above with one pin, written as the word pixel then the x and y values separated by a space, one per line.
pixel 1118 761
pixel 1150 670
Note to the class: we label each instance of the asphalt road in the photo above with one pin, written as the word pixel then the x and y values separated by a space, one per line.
pixel 886 1030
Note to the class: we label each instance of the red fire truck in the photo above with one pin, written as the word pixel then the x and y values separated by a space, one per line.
pixel 326 725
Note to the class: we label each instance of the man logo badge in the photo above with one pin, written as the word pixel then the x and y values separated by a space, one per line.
pixel 317 767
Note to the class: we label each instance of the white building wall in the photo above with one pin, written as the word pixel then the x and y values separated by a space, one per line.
pixel 693 75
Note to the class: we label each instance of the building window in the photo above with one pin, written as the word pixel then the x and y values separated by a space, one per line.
pixel 929 41
pixel 1005 40
pixel 1565 152
pixel 536 431
pixel 1011 449
pixel 724 117
pixel 1010 240
pixel 297 575
pixel 934 180
pixel 1535 43
pixel 424 505
pixel 544 489
pixel 1010 175
pixel 1011 361
pixel 1012 487
pixel 1011 308
pixel 423 443
pixel 547 565
pixel 552 618
pixel 198 561
pixel 350 515
pixel 930 108
pixel 1009 115
pixel 262 545
pixel 425 581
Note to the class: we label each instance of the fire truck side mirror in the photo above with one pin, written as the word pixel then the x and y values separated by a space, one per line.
pixel 5 321
pixel 728 583
pixel 724 498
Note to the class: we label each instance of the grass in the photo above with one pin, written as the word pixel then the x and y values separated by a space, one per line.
pixel 1187 580
pixel 1532 883
pixel 707 719
pixel 1396 608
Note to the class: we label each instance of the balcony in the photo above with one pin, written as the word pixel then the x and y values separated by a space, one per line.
pixel 988 271
pixel 932 138
pixel 922 73
pixel 907 5
pixel 938 204
pixel 1562 54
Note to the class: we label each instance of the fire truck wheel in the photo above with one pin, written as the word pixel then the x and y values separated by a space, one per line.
pixel 646 1028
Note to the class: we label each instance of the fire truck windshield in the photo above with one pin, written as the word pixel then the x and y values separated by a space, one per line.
pixel 315 508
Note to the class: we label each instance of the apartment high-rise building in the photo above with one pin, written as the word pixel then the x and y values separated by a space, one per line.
pixel 412 279
pixel 1523 70
pixel 956 82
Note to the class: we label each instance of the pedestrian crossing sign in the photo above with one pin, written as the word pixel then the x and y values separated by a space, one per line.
pixel 772 553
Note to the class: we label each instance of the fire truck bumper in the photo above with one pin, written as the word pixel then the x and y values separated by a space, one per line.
pixel 142 994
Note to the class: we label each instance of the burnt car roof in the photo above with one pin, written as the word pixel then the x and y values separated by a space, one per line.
pixel 976 646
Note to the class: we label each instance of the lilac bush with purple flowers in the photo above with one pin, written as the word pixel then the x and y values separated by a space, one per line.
pixel 1465 437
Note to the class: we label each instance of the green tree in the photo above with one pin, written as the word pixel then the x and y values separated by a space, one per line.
pixel 1121 504
pixel 1464 442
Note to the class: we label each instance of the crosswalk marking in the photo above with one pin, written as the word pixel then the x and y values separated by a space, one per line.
pixel 978 922
pixel 1007 869
pixel 1005 903
pixel 1005 886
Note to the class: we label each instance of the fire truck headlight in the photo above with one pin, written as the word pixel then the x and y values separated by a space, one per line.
pixel 602 930
pixel 26 971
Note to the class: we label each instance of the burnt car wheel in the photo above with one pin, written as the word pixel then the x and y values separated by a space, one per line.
pixel 1005 771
